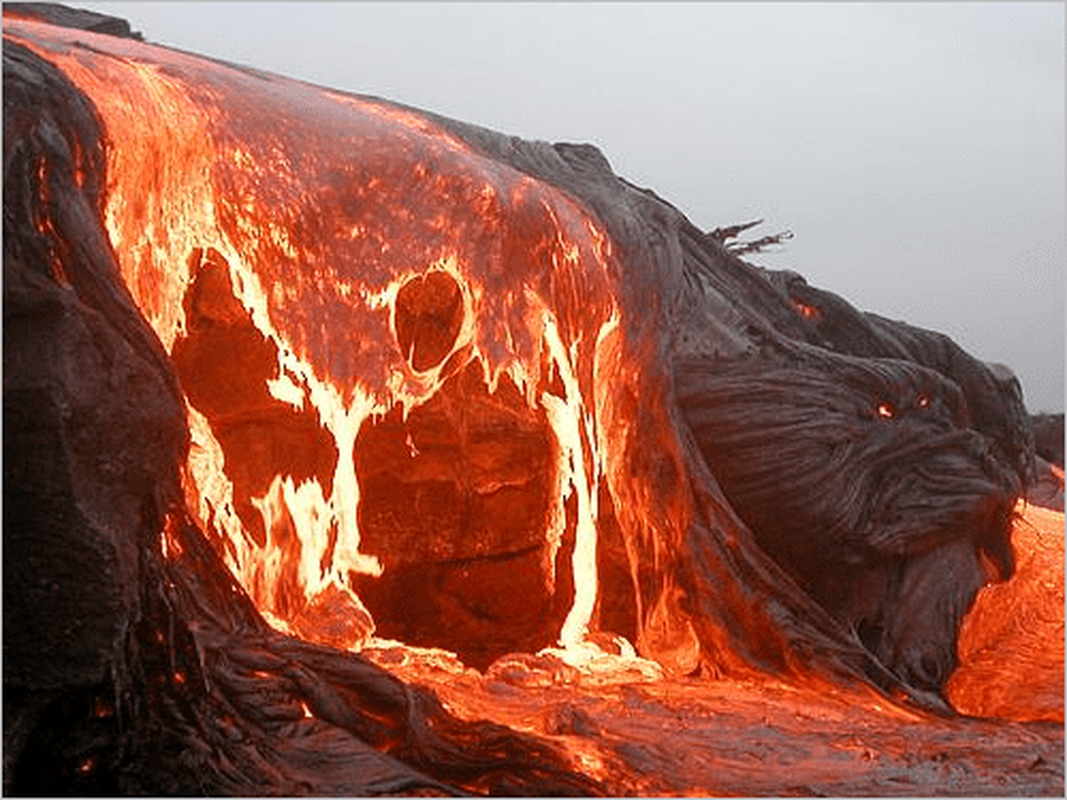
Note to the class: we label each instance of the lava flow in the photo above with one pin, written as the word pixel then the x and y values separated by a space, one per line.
pixel 509 426
pixel 316 262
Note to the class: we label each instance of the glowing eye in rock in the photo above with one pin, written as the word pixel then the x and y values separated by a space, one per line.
pixel 886 411
pixel 428 317
pixel 923 401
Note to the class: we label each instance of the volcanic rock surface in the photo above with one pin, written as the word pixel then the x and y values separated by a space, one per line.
pixel 371 375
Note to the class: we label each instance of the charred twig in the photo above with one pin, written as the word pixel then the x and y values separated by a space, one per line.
pixel 723 236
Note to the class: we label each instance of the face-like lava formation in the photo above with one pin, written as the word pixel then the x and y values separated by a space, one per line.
pixel 863 479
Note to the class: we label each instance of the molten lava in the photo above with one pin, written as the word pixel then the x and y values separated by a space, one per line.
pixel 373 257
pixel 1011 644
pixel 431 400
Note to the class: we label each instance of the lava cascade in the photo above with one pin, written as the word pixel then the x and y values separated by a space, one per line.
pixel 288 244
pixel 339 281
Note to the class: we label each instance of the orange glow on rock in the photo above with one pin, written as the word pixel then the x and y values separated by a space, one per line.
pixel 169 540
pixel 103 708
pixel 806 311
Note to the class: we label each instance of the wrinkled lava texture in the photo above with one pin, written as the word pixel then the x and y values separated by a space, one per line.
pixel 354 450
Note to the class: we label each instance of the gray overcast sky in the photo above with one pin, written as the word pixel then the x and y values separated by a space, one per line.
pixel 916 150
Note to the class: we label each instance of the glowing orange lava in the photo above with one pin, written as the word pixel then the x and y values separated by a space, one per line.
pixel 1011 643
pixel 368 256
pixel 323 207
